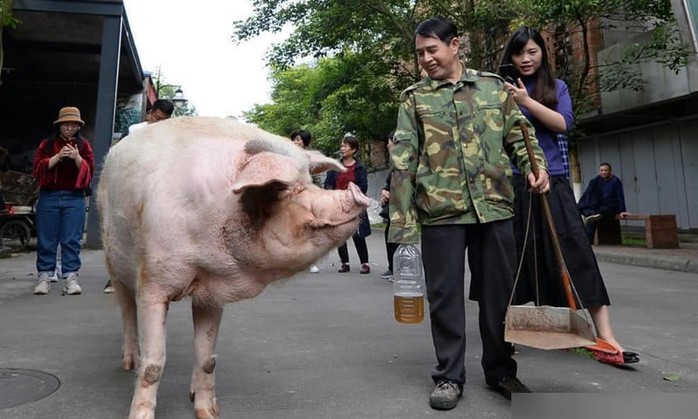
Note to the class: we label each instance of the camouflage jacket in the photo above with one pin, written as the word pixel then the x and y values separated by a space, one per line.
pixel 451 157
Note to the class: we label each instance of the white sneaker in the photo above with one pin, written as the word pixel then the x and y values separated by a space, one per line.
pixel 314 269
pixel 108 287
pixel 42 287
pixel 71 286
pixel 592 218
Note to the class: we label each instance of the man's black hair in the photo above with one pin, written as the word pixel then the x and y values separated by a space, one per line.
pixel 164 105
pixel 437 27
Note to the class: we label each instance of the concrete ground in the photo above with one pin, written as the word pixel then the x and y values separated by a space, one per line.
pixel 326 346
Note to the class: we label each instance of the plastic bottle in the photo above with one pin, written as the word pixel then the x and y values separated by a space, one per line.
pixel 408 288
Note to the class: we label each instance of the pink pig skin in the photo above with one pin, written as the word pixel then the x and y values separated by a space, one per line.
pixel 215 210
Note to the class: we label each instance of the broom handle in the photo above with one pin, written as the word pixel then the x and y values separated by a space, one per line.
pixel 566 282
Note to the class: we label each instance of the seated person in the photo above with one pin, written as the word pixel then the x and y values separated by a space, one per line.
pixel 603 198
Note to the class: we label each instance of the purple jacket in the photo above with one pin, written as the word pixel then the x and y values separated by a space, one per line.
pixel 547 139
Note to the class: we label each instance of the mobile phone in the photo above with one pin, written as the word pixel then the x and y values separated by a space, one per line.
pixel 508 73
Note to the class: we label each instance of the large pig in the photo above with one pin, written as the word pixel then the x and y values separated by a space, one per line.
pixel 215 210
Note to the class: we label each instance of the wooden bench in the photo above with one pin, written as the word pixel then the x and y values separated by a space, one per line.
pixel 661 231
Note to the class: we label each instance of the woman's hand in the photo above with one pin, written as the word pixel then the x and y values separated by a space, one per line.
pixel 518 92
pixel 71 152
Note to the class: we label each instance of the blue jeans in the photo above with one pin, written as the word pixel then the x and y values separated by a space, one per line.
pixel 60 219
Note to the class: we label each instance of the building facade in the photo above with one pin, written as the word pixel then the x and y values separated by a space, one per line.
pixel 650 137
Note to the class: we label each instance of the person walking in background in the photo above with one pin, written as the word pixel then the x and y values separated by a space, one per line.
pixel 356 173
pixel 161 110
pixel 390 248
pixel 603 198
pixel 456 131
pixel 546 102
pixel 302 138
pixel 63 167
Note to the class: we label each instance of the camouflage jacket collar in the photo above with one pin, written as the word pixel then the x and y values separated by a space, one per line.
pixel 468 76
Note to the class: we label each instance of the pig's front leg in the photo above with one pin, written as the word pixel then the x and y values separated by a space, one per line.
pixel 152 320
pixel 203 380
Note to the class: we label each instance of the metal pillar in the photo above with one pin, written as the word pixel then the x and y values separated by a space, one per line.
pixel 104 118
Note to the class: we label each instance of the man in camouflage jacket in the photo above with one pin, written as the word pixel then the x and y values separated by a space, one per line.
pixel 457 130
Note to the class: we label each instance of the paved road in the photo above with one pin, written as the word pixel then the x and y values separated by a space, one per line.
pixel 325 346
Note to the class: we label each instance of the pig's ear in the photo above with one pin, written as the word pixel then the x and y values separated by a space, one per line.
pixel 265 168
pixel 319 163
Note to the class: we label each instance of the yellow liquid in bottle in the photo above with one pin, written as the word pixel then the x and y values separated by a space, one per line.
pixel 409 308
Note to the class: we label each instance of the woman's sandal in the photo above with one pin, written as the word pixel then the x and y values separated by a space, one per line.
pixel 608 354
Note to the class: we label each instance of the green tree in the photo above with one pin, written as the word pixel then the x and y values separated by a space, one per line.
pixel 167 91
pixel 329 98
pixel 383 31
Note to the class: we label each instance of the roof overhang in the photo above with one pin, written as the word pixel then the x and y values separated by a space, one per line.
pixel 61 41
pixel 657 112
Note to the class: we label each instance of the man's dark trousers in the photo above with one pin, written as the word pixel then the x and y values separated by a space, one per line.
pixel 491 257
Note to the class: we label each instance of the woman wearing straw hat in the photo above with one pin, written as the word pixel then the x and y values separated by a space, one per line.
pixel 63 167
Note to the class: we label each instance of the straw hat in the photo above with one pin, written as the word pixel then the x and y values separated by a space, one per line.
pixel 69 114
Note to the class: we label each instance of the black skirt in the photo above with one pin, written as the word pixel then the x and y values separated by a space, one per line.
pixel 539 255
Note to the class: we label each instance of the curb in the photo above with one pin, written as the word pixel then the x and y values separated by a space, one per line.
pixel 671 263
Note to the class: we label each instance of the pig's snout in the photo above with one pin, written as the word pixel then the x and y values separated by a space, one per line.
pixel 358 196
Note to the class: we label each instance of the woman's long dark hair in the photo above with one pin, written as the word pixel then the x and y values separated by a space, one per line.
pixel 79 139
pixel 544 89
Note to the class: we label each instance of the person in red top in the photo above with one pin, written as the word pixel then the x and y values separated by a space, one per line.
pixel 63 167
pixel 356 173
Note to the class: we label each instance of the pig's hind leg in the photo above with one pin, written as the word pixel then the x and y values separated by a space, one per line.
pixel 207 320
pixel 127 301
pixel 129 348
pixel 152 321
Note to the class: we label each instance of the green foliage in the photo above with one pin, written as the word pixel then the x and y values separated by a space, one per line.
pixel 6 18
pixel 125 117
pixel 167 91
pixel 364 52
pixel 335 95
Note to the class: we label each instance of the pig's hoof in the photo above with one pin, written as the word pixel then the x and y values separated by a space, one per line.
pixel 211 413
pixel 206 412
pixel 129 363
pixel 142 413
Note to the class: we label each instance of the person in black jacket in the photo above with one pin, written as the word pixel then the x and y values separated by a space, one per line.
pixel 390 248
pixel 356 173
pixel 603 198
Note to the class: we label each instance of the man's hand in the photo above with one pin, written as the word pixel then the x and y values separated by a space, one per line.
pixel 385 196
pixel 624 214
pixel 540 185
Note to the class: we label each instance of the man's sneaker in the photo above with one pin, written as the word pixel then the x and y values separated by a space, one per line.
pixel 365 269
pixel 445 396
pixel 314 269
pixel 42 287
pixel 508 385
pixel 70 285
pixel 108 287
pixel 387 274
